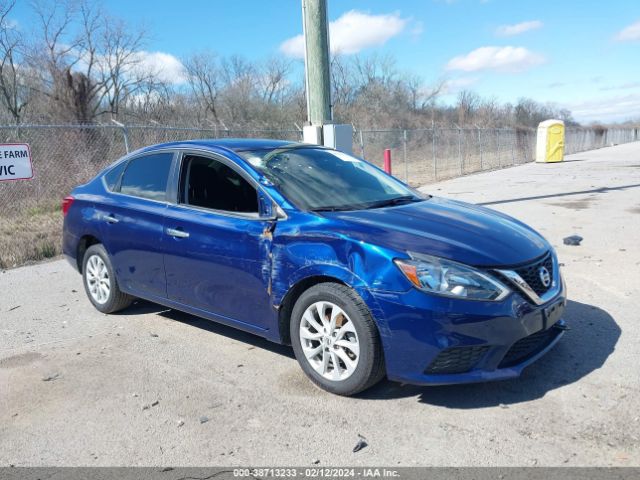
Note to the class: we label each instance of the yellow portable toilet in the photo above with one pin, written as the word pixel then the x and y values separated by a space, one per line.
pixel 550 141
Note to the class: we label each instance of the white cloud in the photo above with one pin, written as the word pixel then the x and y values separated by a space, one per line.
pixel 352 32
pixel 505 59
pixel 167 67
pixel 630 33
pixel 518 28
pixel 611 109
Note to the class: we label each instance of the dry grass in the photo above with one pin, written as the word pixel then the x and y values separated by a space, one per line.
pixel 33 235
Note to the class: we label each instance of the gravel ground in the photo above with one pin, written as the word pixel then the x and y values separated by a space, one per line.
pixel 152 386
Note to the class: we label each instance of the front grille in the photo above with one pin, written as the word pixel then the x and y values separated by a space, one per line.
pixel 456 360
pixel 531 274
pixel 528 346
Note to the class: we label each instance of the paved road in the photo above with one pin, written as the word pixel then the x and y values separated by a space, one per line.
pixel 158 387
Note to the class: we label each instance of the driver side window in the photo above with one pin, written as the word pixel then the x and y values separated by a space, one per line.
pixel 209 183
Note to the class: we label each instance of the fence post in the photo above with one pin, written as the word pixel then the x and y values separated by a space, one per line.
pixel 362 145
pixel 404 154
pixel 514 138
pixel 460 159
pixel 125 133
pixel 433 151
pixel 480 147
pixel 498 145
pixel 387 160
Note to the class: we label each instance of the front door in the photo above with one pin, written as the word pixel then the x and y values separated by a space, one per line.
pixel 217 251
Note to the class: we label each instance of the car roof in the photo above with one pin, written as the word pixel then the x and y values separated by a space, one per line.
pixel 233 144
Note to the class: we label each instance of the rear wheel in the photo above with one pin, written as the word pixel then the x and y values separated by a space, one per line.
pixel 100 282
pixel 335 339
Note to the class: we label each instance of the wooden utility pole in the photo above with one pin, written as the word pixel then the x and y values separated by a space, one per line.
pixel 316 61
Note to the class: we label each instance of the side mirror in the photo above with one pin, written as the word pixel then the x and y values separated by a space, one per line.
pixel 268 208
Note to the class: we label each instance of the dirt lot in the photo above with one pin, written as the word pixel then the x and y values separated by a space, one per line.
pixel 158 387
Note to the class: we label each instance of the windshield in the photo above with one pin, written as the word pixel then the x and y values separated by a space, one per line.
pixel 327 180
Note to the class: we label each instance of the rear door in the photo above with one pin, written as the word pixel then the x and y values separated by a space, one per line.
pixel 133 224
pixel 217 245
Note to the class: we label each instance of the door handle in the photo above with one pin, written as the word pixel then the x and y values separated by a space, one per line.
pixel 173 232
pixel 110 218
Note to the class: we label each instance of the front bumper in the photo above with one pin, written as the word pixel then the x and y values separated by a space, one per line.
pixel 431 340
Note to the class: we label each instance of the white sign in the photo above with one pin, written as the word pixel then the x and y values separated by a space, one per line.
pixel 15 162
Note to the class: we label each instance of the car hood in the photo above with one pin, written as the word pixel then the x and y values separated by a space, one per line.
pixel 449 229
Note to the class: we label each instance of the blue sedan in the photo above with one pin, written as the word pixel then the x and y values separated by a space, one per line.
pixel 304 245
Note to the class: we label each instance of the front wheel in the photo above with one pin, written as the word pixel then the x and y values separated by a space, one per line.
pixel 335 339
pixel 100 282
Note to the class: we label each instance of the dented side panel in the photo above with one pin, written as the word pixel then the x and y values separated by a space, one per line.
pixel 319 249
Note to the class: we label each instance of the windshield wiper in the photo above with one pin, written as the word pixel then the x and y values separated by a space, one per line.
pixel 336 208
pixel 366 206
pixel 404 199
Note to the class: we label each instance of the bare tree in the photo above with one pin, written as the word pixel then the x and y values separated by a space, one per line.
pixel 467 105
pixel 205 79
pixel 154 101
pixel 567 117
pixel 342 81
pixel 488 113
pixel 273 79
pixel 380 69
pixel 65 60
pixel 88 61
pixel 529 113
pixel 14 92
pixel 240 79
pixel 55 20
pixel 51 54
pixel 421 96
pixel 122 73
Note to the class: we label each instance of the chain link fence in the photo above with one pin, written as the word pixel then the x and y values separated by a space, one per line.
pixel 428 155
pixel 65 156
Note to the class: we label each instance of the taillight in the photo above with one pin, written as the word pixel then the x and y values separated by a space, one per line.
pixel 66 204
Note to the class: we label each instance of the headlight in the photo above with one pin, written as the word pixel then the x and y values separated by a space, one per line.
pixel 444 277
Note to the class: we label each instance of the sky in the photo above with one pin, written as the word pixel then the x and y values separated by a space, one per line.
pixel 580 54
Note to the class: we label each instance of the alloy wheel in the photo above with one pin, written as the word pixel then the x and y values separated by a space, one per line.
pixel 329 341
pixel 97 278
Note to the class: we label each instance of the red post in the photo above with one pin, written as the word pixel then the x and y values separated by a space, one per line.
pixel 387 160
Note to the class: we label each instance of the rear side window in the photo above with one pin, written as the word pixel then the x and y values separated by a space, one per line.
pixel 147 176
pixel 112 177
pixel 209 183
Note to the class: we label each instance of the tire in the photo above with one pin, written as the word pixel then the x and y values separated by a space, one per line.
pixel 357 327
pixel 97 270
